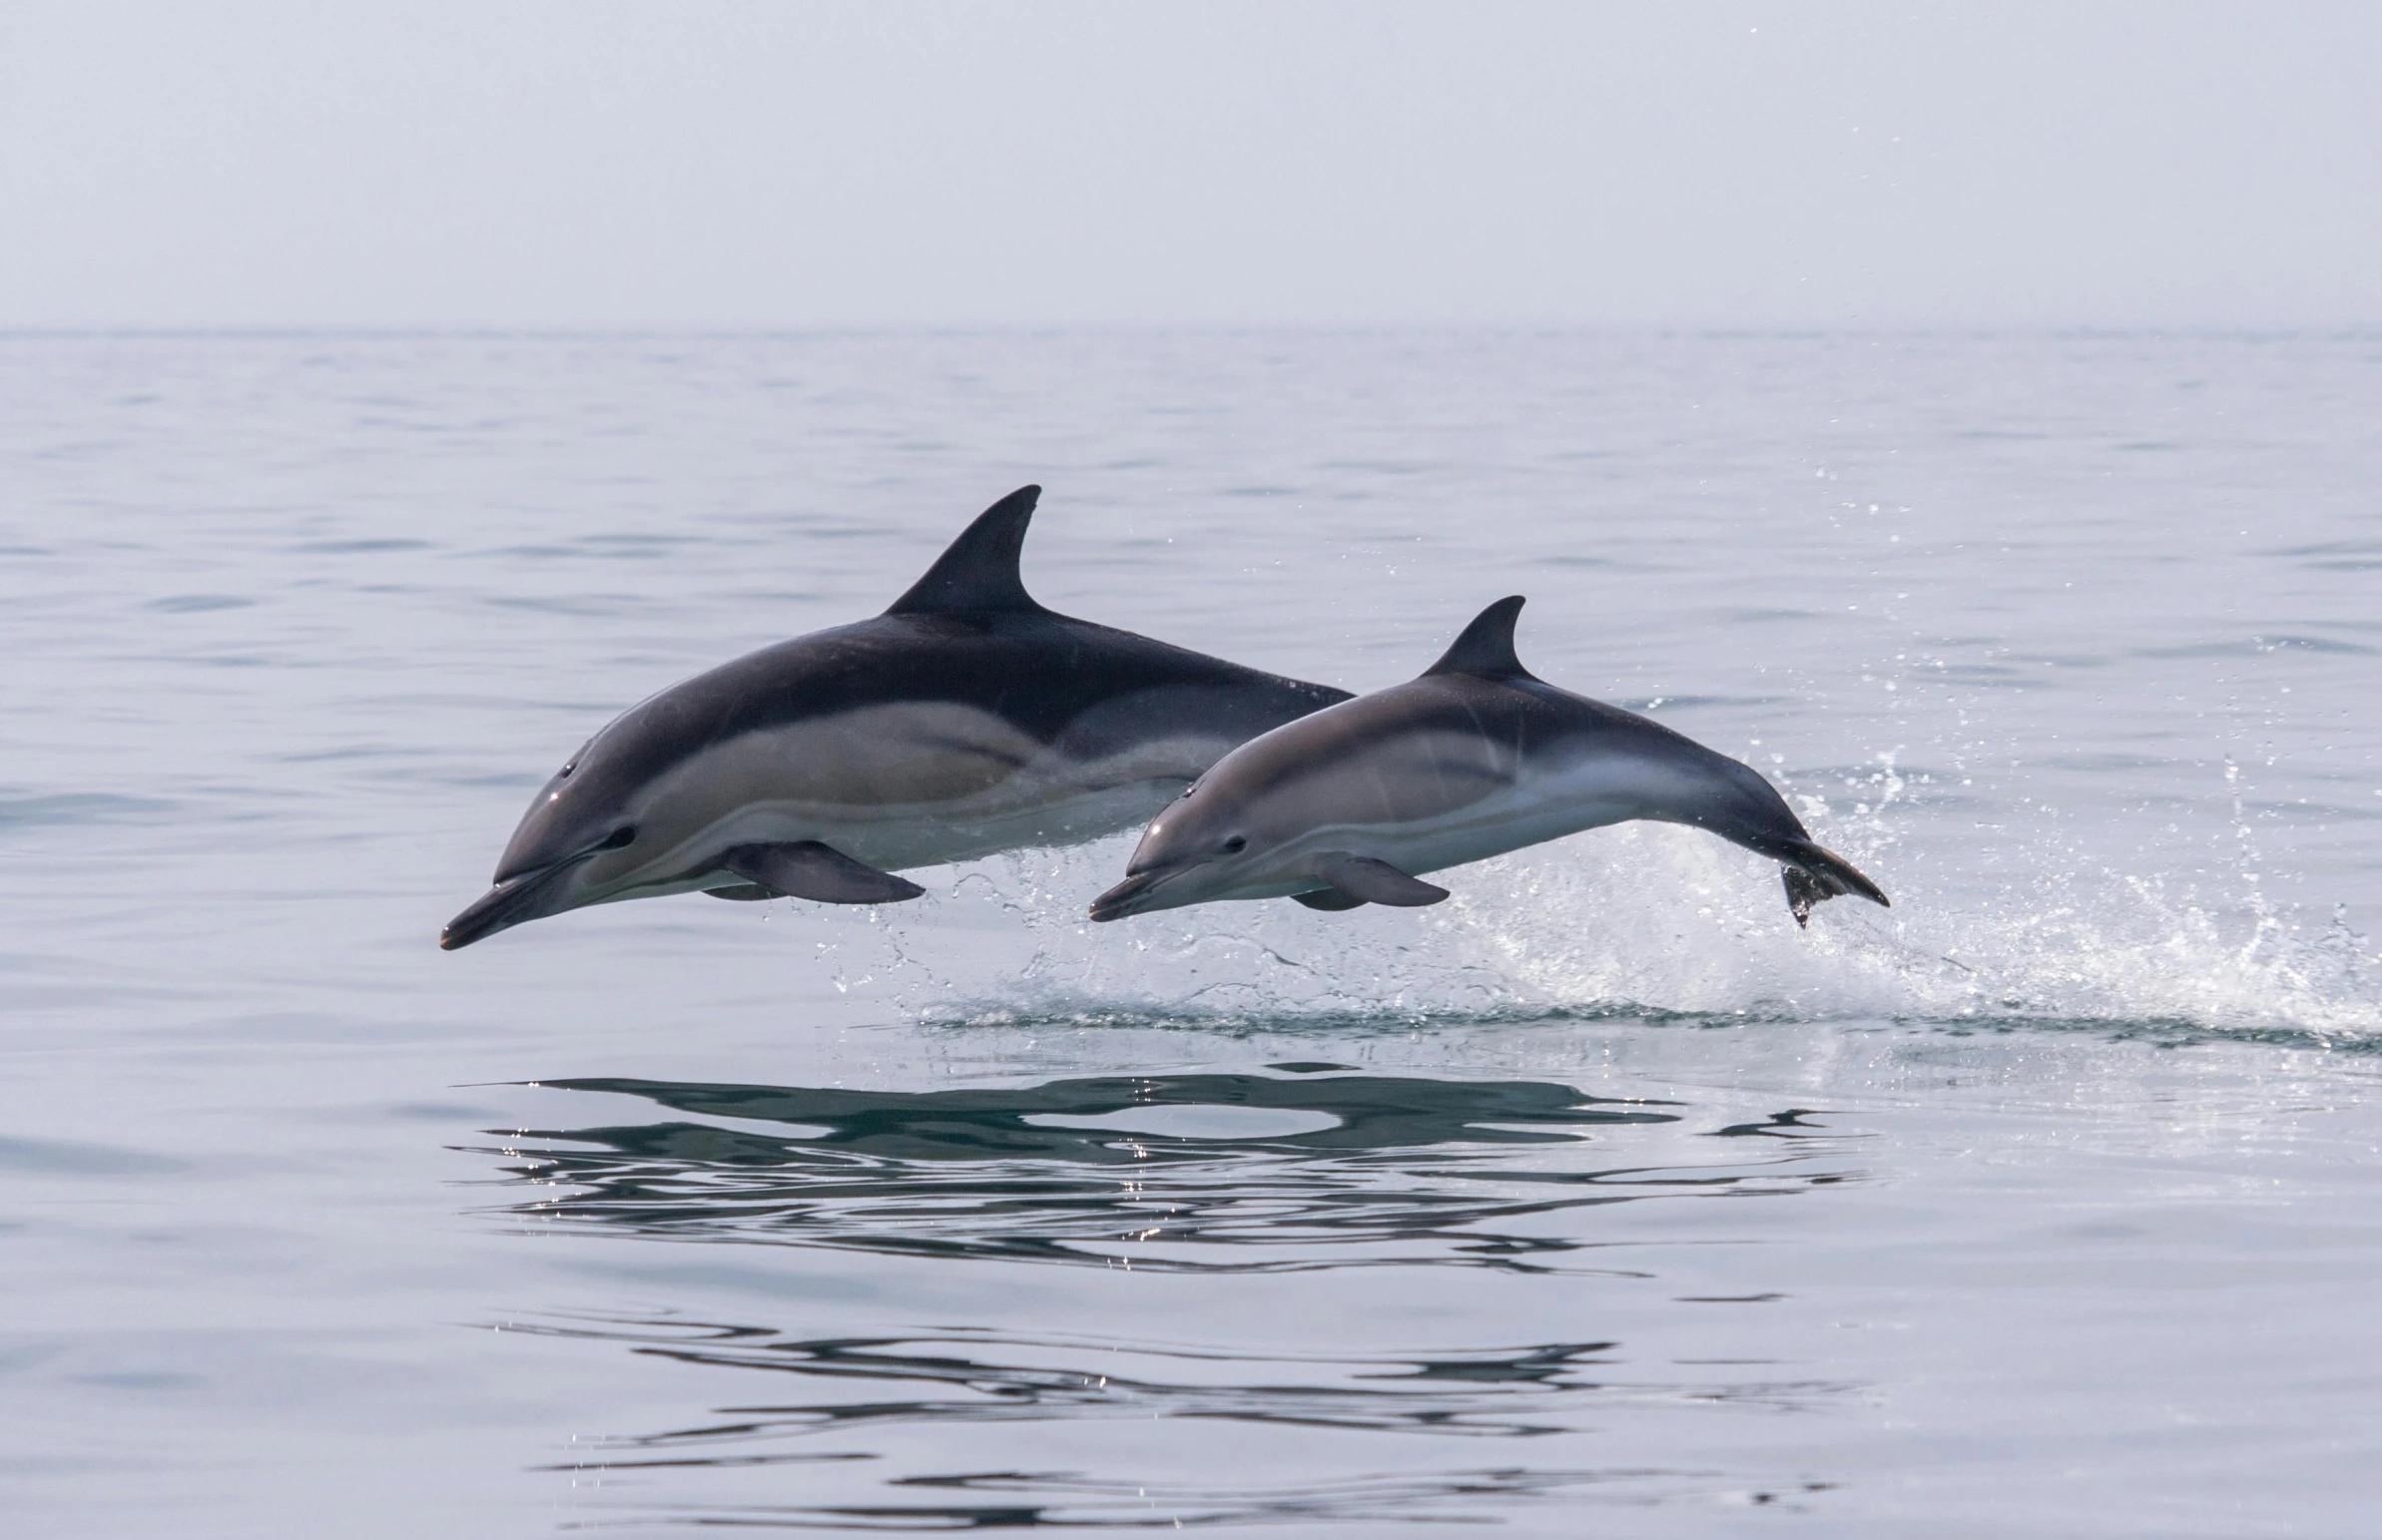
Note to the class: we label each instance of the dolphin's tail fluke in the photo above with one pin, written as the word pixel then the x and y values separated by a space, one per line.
pixel 1815 875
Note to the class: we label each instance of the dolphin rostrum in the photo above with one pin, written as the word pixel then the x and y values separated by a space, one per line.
pixel 1350 806
pixel 963 720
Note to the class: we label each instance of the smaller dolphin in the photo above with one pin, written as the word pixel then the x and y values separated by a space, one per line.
pixel 1477 756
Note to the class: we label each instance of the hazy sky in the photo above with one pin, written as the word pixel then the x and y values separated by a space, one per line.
pixel 504 164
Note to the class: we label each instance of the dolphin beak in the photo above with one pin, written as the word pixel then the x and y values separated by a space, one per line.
pixel 1130 896
pixel 509 903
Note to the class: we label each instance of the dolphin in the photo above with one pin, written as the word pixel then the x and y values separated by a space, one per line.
pixel 1351 804
pixel 963 720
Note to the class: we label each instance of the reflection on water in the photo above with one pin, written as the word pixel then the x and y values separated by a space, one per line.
pixel 1044 1501
pixel 979 1375
pixel 1118 1170
pixel 1257 1180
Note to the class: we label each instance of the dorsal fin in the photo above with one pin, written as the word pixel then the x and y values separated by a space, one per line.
pixel 1486 650
pixel 979 571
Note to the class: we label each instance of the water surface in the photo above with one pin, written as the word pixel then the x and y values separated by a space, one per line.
pixel 1596 1198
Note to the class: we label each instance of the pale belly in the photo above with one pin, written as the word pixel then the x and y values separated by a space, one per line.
pixel 1051 798
pixel 1047 810
pixel 1530 811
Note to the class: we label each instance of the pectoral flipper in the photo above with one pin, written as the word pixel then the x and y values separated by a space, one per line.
pixel 807 869
pixel 1371 881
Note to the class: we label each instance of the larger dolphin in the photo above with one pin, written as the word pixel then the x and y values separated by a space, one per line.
pixel 965 719
pixel 1477 756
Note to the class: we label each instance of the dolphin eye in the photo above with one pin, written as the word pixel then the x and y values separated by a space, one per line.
pixel 566 770
pixel 620 837
pixel 1236 845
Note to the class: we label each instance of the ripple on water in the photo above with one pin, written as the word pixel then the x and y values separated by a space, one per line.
pixel 1307 1168
pixel 69 807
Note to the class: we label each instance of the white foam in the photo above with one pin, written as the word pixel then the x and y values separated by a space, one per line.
pixel 1637 920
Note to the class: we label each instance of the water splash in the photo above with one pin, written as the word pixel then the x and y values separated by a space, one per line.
pixel 1649 919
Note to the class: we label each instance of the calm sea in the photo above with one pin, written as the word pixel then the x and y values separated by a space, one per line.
pixel 1598 1200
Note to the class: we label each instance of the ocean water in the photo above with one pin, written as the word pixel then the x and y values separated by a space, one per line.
pixel 1597 1200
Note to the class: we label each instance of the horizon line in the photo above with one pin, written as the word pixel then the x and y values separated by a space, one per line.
pixel 2070 329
